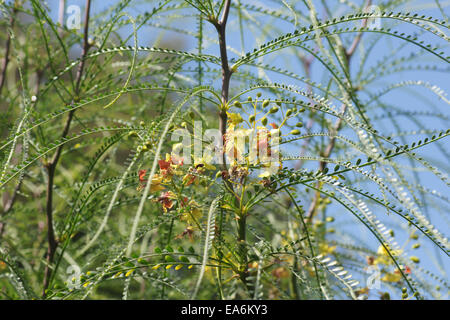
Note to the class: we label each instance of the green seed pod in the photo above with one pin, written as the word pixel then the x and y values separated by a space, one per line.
pixel 416 294
pixel 274 110
pixel 144 149
pixel 330 219
pixel 288 113
pixel 142 123
pixel 259 94
pixel 404 296
pixel 414 236
pixel 302 110
pixel 237 104
pixel 414 259
pixel 295 132
pixel 265 103
pixel 264 121
pixel 278 103
pixel 404 290
pixel 385 296
pixel 416 245
pixel 249 99
pixel 251 119
pixel 299 125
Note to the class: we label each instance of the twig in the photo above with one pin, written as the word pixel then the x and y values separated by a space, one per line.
pixel 226 72
pixel 7 49
pixel 226 77
pixel 51 166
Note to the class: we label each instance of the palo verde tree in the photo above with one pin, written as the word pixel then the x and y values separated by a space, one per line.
pixel 224 149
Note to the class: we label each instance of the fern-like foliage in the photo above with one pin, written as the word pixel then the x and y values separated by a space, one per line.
pixel 357 205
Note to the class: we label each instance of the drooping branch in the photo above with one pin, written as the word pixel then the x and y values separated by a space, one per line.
pixel 337 126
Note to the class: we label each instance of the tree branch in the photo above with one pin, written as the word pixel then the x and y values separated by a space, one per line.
pixel 51 166
pixel 226 77
pixel 7 49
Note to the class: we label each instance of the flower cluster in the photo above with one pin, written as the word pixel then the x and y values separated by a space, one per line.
pixel 171 180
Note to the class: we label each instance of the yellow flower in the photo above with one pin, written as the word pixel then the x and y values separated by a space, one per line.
pixel 205 162
pixel 325 249
pixel 156 183
pixel 194 214
pixel 392 277
pixel 269 170
pixel 384 257
pixel 234 119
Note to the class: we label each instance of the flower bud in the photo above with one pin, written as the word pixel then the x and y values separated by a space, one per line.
pixel 132 134
pixel 251 119
pixel 274 110
pixel 264 121
pixel 237 104
pixel 299 125
pixel 265 103
pixel 288 113
pixel 295 132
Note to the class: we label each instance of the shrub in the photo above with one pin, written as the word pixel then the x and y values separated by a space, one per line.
pixel 260 151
